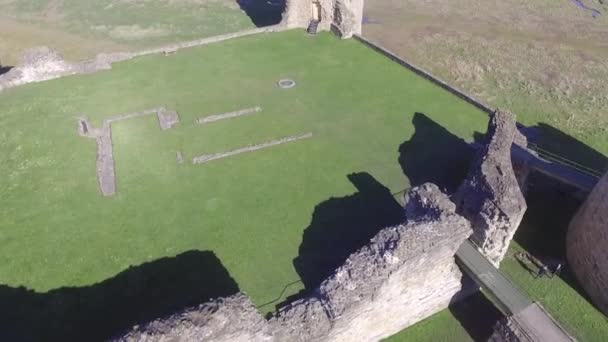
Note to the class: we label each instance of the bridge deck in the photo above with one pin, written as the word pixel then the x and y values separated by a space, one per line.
pixel 503 293
pixel 528 317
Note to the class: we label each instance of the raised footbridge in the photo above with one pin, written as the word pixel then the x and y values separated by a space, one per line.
pixel 529 318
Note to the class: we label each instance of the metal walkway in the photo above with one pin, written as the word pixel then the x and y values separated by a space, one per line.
pixel 529 318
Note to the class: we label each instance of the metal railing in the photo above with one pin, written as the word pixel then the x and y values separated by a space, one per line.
pixel 555 158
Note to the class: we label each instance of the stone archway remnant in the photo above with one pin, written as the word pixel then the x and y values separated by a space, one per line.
pixel 106 175
pixel 345 17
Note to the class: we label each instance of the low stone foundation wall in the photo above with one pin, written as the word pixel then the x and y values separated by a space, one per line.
pixel 405 274
pixel 42 63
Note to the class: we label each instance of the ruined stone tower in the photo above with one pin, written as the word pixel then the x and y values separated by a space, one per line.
pixel 341 16
pixel 587 245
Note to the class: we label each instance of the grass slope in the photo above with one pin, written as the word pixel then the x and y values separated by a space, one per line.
pixel 251 210
pixel 81 28
pixel 544 60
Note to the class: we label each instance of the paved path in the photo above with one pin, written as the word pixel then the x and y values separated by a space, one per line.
pixel 529 317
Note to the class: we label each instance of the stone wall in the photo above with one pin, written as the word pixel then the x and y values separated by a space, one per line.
pixel 42 63
pixel 405 274
pixel 587 245
pixel 344 16
pixel 490 196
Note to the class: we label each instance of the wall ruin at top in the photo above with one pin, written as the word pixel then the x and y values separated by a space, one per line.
pixel 343 16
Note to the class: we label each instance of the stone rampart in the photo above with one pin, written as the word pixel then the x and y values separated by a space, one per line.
pixel 490 197
pixel 405 274
pixel 587 245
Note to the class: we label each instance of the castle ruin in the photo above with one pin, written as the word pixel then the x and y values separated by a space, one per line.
pixel 341 16
pixel 586 245
pixel 403 275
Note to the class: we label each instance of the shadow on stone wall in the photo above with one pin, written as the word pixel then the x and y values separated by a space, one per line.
pixel 341 226
pixel 263 12
pixel 100 311
pixel 435 155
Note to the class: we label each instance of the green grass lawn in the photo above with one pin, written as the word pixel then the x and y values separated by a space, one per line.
pixel 155 21
pixel 250 210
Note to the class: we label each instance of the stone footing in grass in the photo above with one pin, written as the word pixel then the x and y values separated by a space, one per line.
pixel 103 136
pixel 229 115
pixel 405 274
pixel 251 148
pixel 167 118
pixel 490 197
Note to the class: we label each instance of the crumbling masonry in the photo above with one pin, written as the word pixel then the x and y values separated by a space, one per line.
pixel 405 274
pixel 490 197
pixel 341 16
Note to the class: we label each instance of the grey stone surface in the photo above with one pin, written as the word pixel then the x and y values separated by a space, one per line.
pixel 105 161
pixel 205 158
pixel 233 318
pixel 404 275
pixel 167 118
pixel 301 321
pixel 228 115
pixel 490 196
pixel 533 324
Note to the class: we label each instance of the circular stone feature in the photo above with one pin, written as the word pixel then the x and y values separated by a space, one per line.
pixel 286 83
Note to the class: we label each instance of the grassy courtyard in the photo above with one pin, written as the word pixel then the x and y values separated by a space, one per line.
pixel 377 128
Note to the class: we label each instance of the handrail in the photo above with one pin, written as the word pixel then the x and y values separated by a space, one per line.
pixel 565 161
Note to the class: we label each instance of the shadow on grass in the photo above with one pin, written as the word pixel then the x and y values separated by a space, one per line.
pixel 556 141
pixel 477 315
pixel 433 154
pixel 4 69
pixel 103 310
pixel 263 12
pixel 341 226
pixel 542 233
